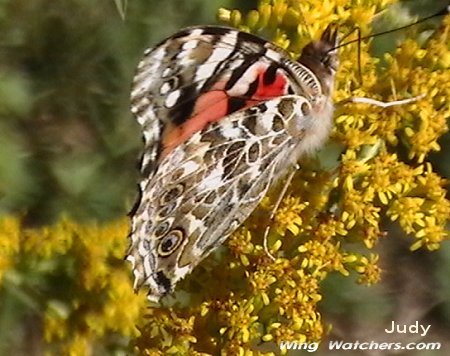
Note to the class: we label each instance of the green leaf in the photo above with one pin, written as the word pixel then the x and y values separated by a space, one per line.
pixel 121 7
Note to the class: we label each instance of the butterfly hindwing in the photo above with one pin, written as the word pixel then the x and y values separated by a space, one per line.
pixel 210 184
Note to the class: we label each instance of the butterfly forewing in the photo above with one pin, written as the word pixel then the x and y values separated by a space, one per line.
pixel 171 78
pixel 224 115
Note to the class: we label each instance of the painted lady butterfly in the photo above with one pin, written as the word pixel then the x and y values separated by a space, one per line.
pixel 224 115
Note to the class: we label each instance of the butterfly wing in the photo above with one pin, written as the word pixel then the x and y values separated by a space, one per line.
pixel 199 76
pixel 209 185
pixel 219 129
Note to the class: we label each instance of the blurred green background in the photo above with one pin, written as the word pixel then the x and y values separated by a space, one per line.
pixel 69 145
pixel 68 142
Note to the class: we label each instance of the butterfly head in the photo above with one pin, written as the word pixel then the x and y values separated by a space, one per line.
pixel 321 56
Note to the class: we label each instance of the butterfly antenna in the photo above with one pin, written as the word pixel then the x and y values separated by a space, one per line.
pixel 443 12
pixel 356 29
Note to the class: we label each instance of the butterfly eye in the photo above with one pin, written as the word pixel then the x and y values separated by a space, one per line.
pixel 172 194
pixel 170 242
pixel 328 61
pixel 325 60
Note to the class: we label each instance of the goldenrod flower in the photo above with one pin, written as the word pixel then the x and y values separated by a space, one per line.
pixel 239 297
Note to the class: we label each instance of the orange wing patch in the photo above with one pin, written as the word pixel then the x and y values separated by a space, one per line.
pixel 214 105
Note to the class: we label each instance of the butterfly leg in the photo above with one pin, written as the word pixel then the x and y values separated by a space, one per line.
pixel 275 208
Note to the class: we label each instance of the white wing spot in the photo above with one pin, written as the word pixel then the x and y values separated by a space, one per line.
pixel 137 90
pixel 275 56
pixel 145 160
pixel 147 267
pixel 172 98
pixel 165 88
pixel 212 181
pixel 242 85
pixel 159 54
pixel 228 131
pixel 147 116
pixel 195 33
pixel 266 121
pixel 189 167
pixel 205 71
pixel 146 83
pixel 221 53
pixel 180 272
pixel 142 250
pixel 218 55
pixel 194 224
pixel 141 64
pixel 189 45
pixel 185 60
pixel 149 136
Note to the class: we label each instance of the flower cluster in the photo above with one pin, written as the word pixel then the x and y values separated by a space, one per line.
pixel 239 301
pixel 80 285
pixel 326 209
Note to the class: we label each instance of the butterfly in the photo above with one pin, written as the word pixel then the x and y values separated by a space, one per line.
pixel 224 115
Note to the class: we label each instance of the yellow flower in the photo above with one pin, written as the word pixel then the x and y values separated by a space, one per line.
pixel 9 243
pixel 239 297
pixel 288 215
pixel 369 270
